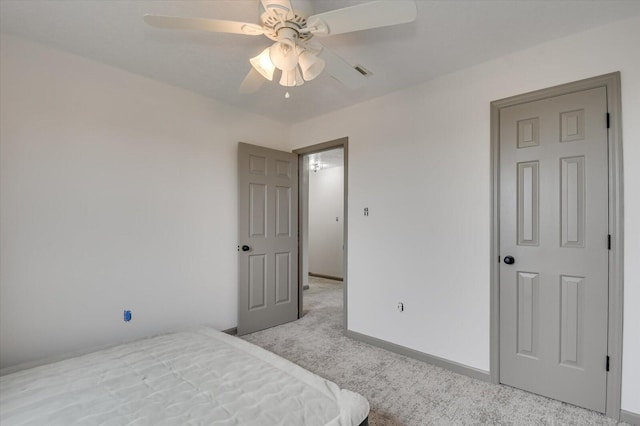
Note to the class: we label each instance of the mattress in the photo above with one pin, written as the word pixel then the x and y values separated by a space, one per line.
pixel 189 378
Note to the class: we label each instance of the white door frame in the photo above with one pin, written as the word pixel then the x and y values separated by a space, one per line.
pixel 303 204
pixel 616 283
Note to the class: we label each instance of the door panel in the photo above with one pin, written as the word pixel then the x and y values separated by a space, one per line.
pixel 554 222
pixel 572 201
pixel 528 203
pixel 528 309
pixel 268 224
pixel 283 211
pixel 283 278
pixel 257 281
pixel 571 323
pixel 257 210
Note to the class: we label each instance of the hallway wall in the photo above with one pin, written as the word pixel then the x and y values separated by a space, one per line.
pixel 326 221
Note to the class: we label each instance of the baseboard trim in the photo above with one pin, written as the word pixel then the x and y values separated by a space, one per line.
pixel 421 356
pixel 629 417
pixel 232 331
pixel 329 277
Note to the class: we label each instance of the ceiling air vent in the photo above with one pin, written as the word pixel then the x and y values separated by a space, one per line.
pixel 362 70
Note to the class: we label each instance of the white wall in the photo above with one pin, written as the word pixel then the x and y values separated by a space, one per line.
pixel 117 192
pixel 419 159
pixel 325 233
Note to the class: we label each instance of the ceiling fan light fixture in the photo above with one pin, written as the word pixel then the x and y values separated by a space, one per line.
pixel 291 78
pixel 283 55
pixel 262 63
pixel 311 65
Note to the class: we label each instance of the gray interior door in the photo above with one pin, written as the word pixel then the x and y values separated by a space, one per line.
pixel 268 238
pixel 554 224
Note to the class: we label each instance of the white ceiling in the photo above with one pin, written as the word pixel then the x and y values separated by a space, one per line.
pixel 448 35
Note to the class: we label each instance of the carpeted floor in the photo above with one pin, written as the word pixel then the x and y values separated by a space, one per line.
pixel 401 390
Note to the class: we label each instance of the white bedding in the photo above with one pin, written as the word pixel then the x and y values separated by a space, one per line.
pixel 197 377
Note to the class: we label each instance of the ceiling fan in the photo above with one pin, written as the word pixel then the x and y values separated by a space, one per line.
pixel 291 28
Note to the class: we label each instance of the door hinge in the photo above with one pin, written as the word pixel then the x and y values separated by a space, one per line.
pixel 609 241
pixel 607 362
pixel 608 120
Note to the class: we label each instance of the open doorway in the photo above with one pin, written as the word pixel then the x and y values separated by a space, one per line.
pixel 326 192
pixel 322 218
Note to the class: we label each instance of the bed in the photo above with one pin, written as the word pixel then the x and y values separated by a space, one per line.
pixel 188 378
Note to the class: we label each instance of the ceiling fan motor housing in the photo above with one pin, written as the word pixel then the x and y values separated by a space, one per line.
pixel 276 15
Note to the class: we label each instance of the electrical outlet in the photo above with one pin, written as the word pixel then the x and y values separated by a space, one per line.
pixel 366 211
pixel 400 307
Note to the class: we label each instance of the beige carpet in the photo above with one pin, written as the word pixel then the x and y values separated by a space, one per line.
pixel 401 390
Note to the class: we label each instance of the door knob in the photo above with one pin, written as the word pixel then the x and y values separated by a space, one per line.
pixel 509 260
pixel 246 248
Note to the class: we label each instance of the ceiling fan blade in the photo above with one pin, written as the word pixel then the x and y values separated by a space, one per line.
pixel 362 17
pixel 200 24
pixel 341 70
pixel 288 5
pixel 280 9
pixel 252 82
